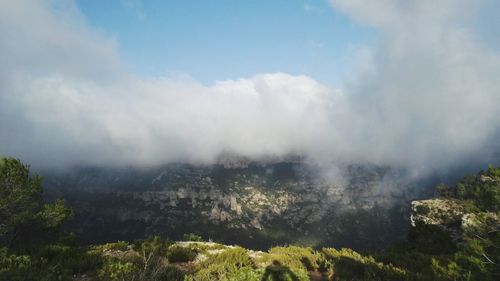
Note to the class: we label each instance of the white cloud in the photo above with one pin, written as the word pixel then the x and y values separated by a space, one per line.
pixel 428 95
pixel 425 97
pixel 400 14
pixel 67 99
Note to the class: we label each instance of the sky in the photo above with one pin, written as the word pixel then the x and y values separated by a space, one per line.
pixel 221 40
pixel 407 84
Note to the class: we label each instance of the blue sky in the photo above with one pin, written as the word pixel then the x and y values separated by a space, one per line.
pixel 219 40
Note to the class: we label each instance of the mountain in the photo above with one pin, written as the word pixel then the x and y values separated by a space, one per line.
pixel 252 204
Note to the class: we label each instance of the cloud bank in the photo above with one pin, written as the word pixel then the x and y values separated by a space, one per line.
pixel 425 97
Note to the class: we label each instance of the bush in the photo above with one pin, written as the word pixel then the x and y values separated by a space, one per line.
pixel 176 253
pixel 277 272
pixel 294 257
pixel 231 264
pixel 116 270
pixel 171 273
pixel 14 267
pixel 236 256
pixel 203 248
pixel 77 260
pixel 116 246
pixel 226 272
pixel 482 190
pixel 416 263
pixel 431 239
pixel 192 237
pixel 155 246
pixel 31 268
pixel 350 265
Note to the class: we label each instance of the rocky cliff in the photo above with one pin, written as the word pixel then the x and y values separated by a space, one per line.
pixel 277 203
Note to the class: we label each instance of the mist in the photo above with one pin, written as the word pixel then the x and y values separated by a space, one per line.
pixel 424 97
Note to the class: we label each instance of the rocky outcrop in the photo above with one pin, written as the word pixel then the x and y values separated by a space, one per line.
pixel 447 214
pixel 450 215
pixel 441 212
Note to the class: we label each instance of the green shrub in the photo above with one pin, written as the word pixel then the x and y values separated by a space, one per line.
pixel 203 248
pixel 236 256
pixel 116 246
pixel 192 237
pixel 116 270
pixel 350 265
pixel 176 253
pixel 482 190
pixel 431 239
pixel 294 257
pixel 277 272
pixel 14 267
pixel 170 273
pixel 155 246
pixel 77 260
pixel 226 272
pixel 30 268
pixel 230 264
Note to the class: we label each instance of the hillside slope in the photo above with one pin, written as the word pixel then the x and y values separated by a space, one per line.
pixel 453 237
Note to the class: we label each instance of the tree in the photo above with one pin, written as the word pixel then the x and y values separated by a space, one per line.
pixel 25 220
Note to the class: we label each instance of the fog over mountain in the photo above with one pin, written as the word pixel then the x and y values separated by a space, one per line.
pixel 425 96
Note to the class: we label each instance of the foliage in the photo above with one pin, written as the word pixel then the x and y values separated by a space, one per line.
pixel 191 237
pixel 150 260
pixel 294 257
pixel 117 270
pixel 153 246
pixel 468 263
pixel 14 267
pixel 365 228
pixel 115 246
pixel 278 272
pixel 226 272
pixel 478 257
pixel 77 260
pixel 205 248
pixel 171 273
pixel 51 262
pixel 431 239
pixel 230 264
pixel 237 256
pixel 483 190
pixel 473 253
pixel 25 221
pixel 178 253
pixel 350 265
pixel 29 229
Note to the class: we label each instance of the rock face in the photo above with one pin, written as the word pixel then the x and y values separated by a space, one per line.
pixel 246 207
pixel 247 202
pixel 449 215
pixel 437 212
